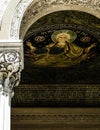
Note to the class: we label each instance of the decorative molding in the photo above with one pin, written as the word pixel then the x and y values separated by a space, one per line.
pixel 32 9
pixel 19 11
pixel 73 118
pixel 11 64
pixel 57 117
pixel 53 95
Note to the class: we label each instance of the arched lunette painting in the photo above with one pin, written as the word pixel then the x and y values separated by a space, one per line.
pixel 62 53
pixel 62 61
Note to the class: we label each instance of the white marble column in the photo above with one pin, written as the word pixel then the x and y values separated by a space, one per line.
pixel 5 111
pixel 11 64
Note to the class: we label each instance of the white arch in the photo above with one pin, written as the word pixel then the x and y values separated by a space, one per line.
pixel 7 8
pixel 45 7
pixel 38 8
pixel 33 19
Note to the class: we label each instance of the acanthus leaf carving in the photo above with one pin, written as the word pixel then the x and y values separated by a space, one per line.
pixel 10 69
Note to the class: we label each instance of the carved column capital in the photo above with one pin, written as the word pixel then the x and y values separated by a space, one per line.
pixel 11 64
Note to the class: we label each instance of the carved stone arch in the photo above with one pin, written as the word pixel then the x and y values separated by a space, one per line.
pixel 26 25
pixel 28 11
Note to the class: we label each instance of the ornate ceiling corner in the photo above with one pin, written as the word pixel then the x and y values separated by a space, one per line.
pixel 27 10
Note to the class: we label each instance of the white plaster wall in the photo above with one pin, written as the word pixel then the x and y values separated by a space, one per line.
pixel 7 18
pixel 3 6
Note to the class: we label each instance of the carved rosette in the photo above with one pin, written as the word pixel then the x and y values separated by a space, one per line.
pixel 10 68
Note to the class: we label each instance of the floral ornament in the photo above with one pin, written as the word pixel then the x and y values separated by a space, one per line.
pixel 39 38
pixel 9 57
pixel 85 39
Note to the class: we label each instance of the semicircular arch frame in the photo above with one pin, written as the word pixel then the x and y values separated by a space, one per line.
pixel 29 11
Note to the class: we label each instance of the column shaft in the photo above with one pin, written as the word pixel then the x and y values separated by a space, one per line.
pixel 5 112
pixel 11 64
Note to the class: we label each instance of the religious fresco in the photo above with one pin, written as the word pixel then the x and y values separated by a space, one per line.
pixel 62 53
pixel 62 62
pixel 67 17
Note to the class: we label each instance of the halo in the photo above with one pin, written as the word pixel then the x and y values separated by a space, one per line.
pixel 71 33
